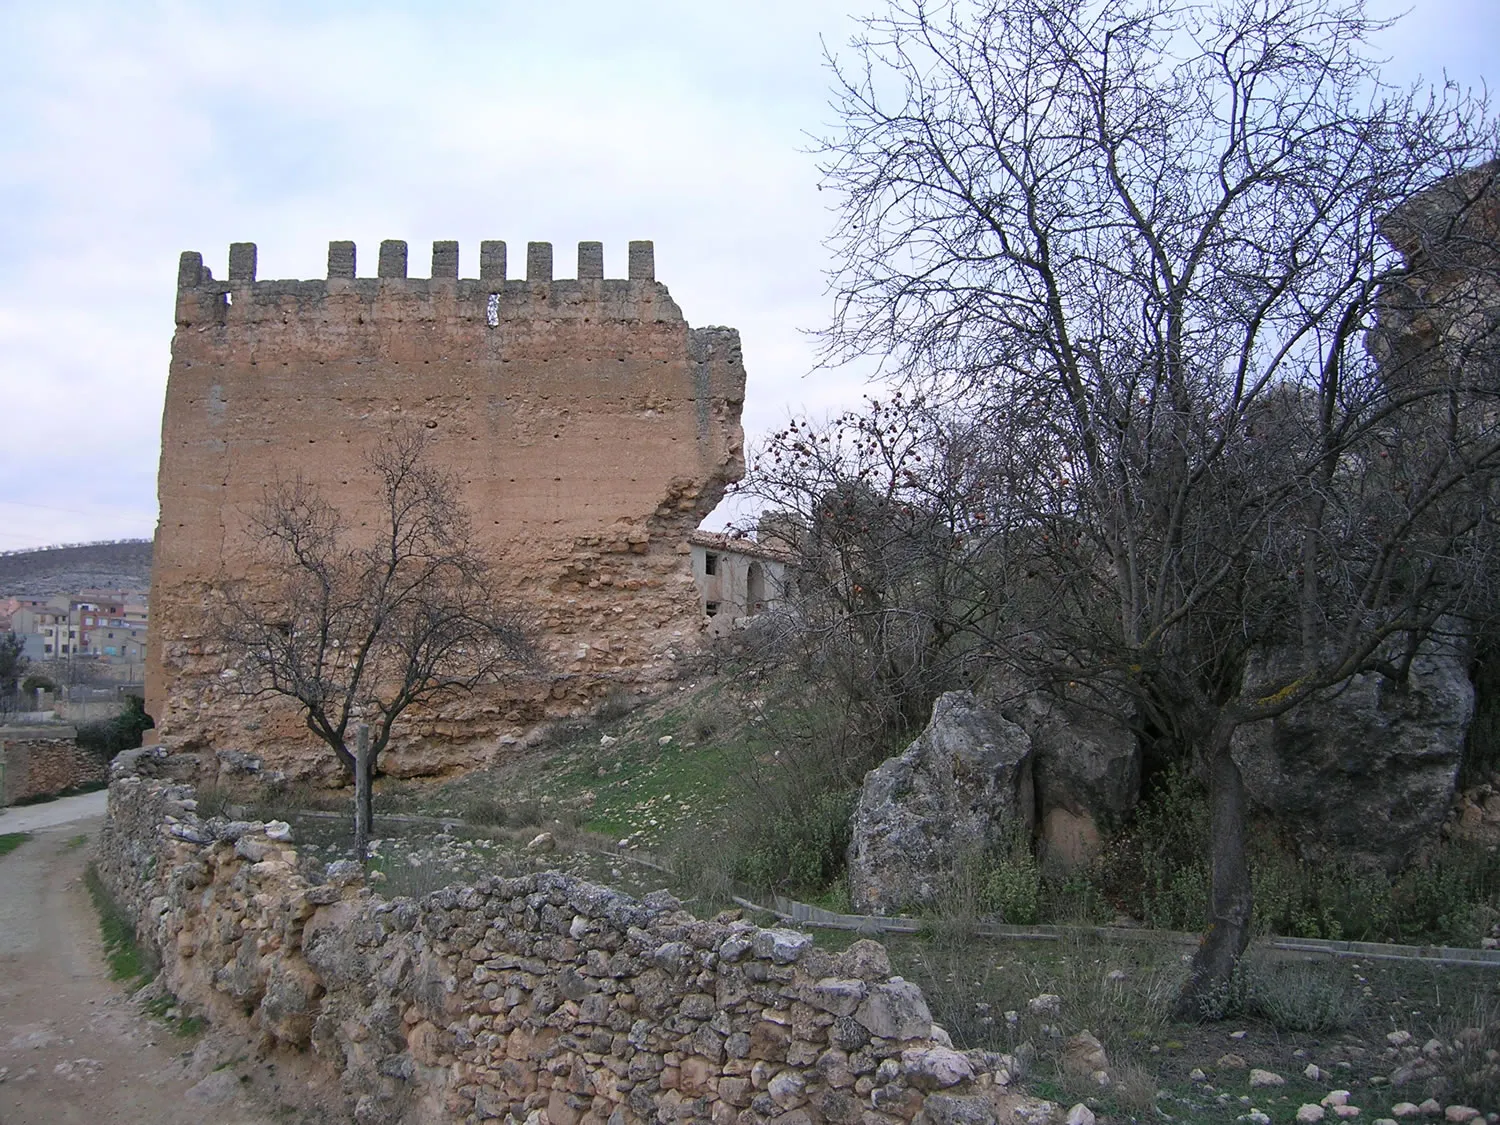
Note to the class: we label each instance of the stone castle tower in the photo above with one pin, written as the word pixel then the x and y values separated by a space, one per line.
pixel 591 429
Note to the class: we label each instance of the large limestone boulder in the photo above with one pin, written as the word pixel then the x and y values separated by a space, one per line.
pixel 1088 772
pixel 1367 773
pixel 954 791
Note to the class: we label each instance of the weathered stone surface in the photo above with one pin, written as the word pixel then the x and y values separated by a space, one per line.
pixel 517 998
pixel 1084 1056
pixel 1372 752
pixel 43 761
pixel 955 791
pixel 591 429
pixel 1087 764
pixel 895 1010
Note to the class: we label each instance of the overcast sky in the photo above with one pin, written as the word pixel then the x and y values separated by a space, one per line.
pixel 131 131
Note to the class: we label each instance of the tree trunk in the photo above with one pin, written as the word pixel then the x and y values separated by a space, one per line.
pixel 363 804
pixel 1231 900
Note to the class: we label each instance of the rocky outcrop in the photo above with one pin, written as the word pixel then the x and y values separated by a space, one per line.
pixel 1371 753
pixel 1088 773
pixel 954 792
pixel 541 998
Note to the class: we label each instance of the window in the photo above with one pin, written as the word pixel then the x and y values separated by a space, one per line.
pixel 712 609
pixel 710 563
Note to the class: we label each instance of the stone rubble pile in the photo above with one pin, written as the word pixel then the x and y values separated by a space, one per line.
pixel 540 999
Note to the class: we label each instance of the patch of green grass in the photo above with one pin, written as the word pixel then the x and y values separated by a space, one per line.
pixel 10 841
pixel 167 1009
pixel 76 842
pixel 129 963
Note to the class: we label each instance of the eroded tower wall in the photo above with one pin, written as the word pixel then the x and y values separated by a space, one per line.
pixel 590 426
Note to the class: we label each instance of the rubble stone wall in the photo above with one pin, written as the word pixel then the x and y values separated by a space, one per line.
pixel 541 998
pixel 589 426
pixel 45 763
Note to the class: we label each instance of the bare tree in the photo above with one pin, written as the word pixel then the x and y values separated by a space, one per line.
pixel 358 628
pixel 1141 242
pixel 892 588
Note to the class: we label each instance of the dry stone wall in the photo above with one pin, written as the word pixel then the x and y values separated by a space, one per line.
pixel 540 999
pixel 590 427
pixel 43 763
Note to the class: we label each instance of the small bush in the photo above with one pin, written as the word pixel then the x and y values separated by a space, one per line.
pixel 1158 867
pixel 486 811
pixel 1305 997
pixel 618 702
pixel 1010 884
pixel 109 737
pixel 1308 997
pixel 801 846
pixel 37 680
pixel 213 801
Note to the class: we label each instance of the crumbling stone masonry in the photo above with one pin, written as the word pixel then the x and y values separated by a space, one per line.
pixel 541 998
pixel 590 426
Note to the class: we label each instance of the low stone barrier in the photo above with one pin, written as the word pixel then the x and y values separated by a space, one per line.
pixel 45 761
pixel 541 999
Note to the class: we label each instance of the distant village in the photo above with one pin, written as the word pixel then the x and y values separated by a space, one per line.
pixel 91 636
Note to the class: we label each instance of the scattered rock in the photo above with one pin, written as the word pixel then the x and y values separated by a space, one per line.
pixel 1336 1098
pixel 219 1087
pixel 1231 1062
pixel 278 830
pixel 782 946
pixel 1398 1038
pixel 1406 1109
pixel 1262 1078
pixel 542 843
pixel 1080 1114
pixel 1460 1114
pixel 935 1068
pixel 1047 1004
pixel 895 1010
pixel 1308 1113
pixel 1312 1072
pixel 1084 1057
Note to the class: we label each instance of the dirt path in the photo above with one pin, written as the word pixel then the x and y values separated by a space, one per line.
pixel 74 1050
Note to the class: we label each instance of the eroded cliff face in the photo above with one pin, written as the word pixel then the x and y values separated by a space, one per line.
pixel 590 426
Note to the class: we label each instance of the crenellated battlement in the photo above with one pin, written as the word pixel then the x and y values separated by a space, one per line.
pixel 392 264
pixel 491 297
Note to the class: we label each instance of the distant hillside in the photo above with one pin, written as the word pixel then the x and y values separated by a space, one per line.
pixel 124 564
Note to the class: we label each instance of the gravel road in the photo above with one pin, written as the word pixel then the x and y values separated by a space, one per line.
pixel 74 1050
